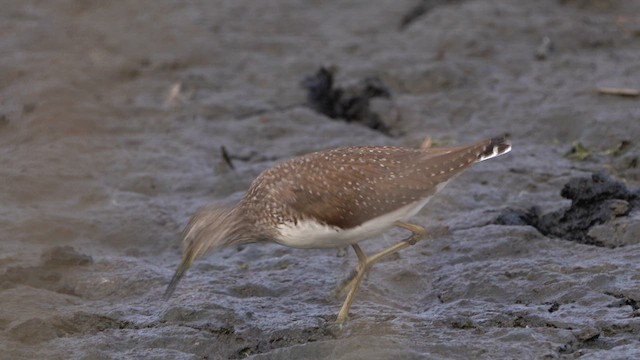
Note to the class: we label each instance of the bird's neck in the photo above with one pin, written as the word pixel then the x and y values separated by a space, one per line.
pixel 243 229
pixel 253 230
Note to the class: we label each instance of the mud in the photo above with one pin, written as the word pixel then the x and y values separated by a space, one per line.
pixel 119 120
pixel 596 202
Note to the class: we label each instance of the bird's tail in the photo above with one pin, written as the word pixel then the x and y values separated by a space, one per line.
pixel 494 147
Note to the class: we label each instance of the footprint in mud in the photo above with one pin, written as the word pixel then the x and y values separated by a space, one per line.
pixel 36 330
pixel 33 331
pixel 253 290
pixel 50 273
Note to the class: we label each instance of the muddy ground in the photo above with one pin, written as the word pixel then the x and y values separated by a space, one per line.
pixel 112 120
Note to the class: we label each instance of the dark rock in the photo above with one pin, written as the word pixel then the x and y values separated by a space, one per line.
pixel 595 200
pixel 517 217
pixel 600 187
pixel 350 104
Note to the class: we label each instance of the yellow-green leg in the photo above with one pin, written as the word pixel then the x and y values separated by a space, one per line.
pixel 365 263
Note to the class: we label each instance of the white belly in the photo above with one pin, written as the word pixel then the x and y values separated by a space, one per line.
pixel 311 234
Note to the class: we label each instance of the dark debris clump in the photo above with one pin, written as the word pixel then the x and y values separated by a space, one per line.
pixel 350 104
pixel 421 9
pixel 594 200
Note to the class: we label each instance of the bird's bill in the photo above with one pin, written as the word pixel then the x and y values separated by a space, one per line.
pixel 187 259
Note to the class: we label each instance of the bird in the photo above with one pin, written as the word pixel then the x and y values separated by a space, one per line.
pixel 334 199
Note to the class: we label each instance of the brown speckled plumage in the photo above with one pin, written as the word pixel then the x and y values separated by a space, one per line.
pixel 331 194
pixel 347 186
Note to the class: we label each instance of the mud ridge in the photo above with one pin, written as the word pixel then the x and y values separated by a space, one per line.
pixel 595 200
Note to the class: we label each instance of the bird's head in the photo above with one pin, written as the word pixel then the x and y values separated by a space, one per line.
pixel 209 229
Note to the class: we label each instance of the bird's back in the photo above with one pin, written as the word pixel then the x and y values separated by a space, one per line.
pixel 346 187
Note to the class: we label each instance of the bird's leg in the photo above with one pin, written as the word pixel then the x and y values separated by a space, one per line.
pixel 354 284
pixel 365 263
pixel 347 283
pixel 417 232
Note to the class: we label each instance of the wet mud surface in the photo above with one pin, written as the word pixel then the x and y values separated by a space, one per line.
pixel 118 121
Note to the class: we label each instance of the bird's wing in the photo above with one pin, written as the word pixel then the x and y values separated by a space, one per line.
pixel 348 186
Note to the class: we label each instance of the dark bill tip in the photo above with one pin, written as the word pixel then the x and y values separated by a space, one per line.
pixel 182 269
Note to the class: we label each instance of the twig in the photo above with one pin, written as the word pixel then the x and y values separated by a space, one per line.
pixel 175 95
pixel 544 49
pixel 619 91
pixel 226 157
